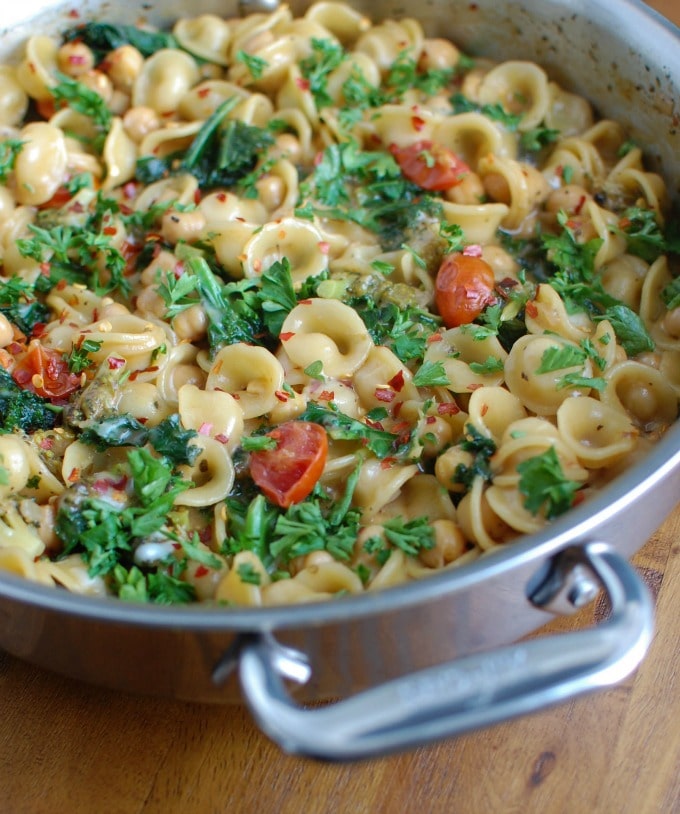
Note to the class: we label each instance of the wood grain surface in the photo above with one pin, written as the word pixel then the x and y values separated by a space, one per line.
pixel 68 747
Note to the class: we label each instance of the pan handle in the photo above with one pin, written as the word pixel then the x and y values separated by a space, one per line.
pixel 469 693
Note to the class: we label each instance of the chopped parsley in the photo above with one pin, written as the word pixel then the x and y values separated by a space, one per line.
pixel 544 485
pixel 9 150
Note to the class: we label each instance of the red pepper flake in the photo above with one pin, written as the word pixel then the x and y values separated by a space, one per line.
pixel 473 250
pixel 326 395
pixel 401 426
pixel 484 410
pixel 302 83
pixel 579 205
pixel 305 302
pixel 417 122
pixel 197 196
pixel 387 463
pixel 201 571
pixel 205 428
pixel 624 223
pixel 318 158
pixel 130 190
pixel 397 381
pixel 432 338
pixel 74 14
pixel 38 330
pixel 448 408
pixel 383 394
pixel 222 438
pixel 115 363
pixel 221 197
pixel 396 409
pixel 77 59
pixel 473 387
pixel 281 395
pixel 46 443
pixel 74 475
pixel 374 425
pixel 578 498
pixel 531 309
pixel 14 348
pixel 203 92
pixel 109 230
pixel 431 419
pixel 324 246
pixel 286 335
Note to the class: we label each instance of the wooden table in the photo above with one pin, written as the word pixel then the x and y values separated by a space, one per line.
pixel 68 747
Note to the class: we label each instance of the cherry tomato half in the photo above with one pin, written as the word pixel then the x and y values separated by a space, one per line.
pixel 288 473
pixel 53 378
pixel 463 288
pixel 430 166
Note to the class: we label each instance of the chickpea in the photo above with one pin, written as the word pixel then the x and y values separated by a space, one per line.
pixel 150 302
pixel 140 121
pixel 164 261
pixel 438 54
pixel 286 145
pixel 183 226
pixel 449 544
pixel 119 103
pixel 75 59
pixel 271 191
pixel 569 198
pixel 6 331
pixel 671 323
pixel 469 190
pixel 123 66
pixel 446 465
pixel 191 324
pixel 497 188
pixel 436 434
pixel 98 82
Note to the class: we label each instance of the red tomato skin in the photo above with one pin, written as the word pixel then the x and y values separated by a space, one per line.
pixel 463 288
pixel 288 473
pixel 431 166
pixel 57 381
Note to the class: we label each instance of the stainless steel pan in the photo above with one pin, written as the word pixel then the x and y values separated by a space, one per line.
pixel 417 661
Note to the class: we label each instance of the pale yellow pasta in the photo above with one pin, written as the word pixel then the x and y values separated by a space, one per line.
pixel 212 474
pixel 13 98
pixel 479 521
pixel 623 276
pixel 326 331
pixel 211 412
pixel 120 156
pixel 341 20
pixel 36 72
pixel 569 113
pixel 643 393
pixel 421 496
pixel 384 42
pixel 291 238
pixel 175 189
pixel 379 485
pixel 508 506
pixel 548 314
pixel 382 378
pixel 473 137
pixel 519 185
pixel 233 590
pixel 598 434
pixel 492 409
pixel 542 392
pixel 142 400
pixel 179 370
pixel 40 167
pixel 661 323
pixel 252 375
pixel 460 351
pixel 206 36
pixel 164 79
pixel 479 222
pixel 521 87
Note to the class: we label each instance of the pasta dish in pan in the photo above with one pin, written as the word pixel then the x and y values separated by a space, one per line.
pixel 295 308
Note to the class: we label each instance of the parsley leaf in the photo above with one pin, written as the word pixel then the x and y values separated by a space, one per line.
pixel 9 150
pixel 326 56
pixel 545 486
pixel 431 374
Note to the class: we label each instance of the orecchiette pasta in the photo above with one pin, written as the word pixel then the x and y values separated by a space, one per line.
pixel 297 308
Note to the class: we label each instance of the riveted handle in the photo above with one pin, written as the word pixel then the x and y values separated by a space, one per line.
pixel 468 693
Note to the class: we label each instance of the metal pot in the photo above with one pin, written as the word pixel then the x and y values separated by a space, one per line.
pixel 419 658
